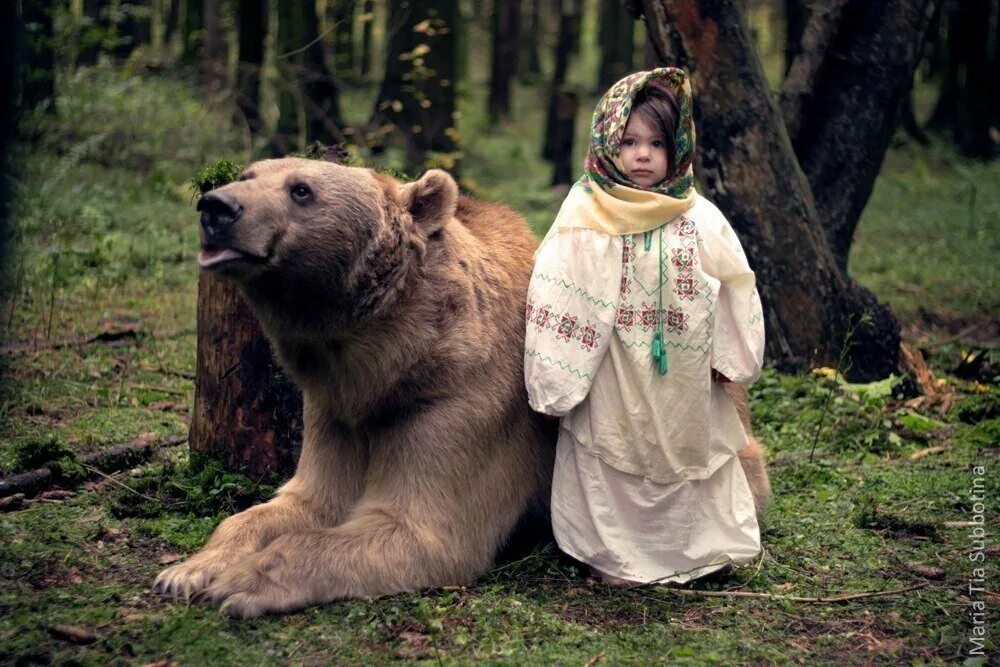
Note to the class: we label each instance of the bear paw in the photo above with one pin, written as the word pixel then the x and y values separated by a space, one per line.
pixel 192 576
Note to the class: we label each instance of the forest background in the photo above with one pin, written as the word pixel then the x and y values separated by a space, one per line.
pixel 872 132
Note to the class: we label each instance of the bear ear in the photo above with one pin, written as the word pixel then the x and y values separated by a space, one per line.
pixel 431 200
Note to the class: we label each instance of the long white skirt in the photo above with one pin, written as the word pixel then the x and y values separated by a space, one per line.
pixel 633 528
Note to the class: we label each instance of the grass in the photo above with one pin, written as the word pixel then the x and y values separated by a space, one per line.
pixel 106 244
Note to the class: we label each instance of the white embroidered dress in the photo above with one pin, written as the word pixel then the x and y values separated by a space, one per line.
pixel 647 484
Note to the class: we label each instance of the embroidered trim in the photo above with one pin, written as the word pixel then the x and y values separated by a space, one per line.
pixel 558 364
pixel 573 287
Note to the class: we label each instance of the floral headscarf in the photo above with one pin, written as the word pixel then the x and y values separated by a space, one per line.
pixel 603 166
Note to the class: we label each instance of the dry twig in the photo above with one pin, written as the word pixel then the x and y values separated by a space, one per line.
pixel 790 598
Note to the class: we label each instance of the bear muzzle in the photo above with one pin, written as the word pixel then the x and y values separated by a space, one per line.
pixel 219 212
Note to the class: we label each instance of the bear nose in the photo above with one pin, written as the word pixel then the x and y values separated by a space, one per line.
pixel 218 213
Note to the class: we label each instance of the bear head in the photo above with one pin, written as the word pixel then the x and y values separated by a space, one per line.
pixel 320 246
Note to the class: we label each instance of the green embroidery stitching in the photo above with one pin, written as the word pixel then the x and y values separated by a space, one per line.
pixel 559 282
pixel 559 364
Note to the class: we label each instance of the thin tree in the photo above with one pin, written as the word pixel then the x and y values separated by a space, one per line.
pixel 214 47
pixel 340 15
pixel 37 58
pixel 251 19
pixel 191 33
pixel 417 96
pixel 616 36
pixel 320 93
pixel 367 43
pixel 529 61
pixel 812 308
pixel 558 143
pixel 506 24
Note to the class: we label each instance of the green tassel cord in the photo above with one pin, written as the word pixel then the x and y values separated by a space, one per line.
pixel 659 349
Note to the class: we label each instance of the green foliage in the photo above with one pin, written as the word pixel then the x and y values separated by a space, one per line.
pixel 33 454
pixel 978 408
pixel 200 488
pixel 216 175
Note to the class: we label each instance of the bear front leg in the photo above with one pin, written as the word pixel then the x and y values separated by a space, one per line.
pixel 326 485
pixel 374 553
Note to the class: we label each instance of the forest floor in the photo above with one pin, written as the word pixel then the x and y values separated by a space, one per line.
pixel 871 492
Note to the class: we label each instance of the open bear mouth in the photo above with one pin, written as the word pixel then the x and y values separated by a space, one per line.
pixel 210 257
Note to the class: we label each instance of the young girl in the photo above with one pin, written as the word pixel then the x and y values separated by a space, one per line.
pixel 641 303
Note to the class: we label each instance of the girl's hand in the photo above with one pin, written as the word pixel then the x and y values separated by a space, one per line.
pixel 719 377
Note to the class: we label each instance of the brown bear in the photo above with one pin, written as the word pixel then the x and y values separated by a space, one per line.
pixel 398 310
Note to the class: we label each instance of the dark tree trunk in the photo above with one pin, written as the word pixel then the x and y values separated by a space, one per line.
pixel 288 44
pixel 251 20
pixel 796 17
pixel 367 44
pixel 617 43
pixel 170 25
pixel 319 89
pixel 972 129
pixel 11 35
pixel 748 168
pixel 850 116
pixel 246 412
pixel 564 114
pixel 191 33
pixel 92 33
pixel 506 40
pixel 341 16
pixel 802 74
pixel 946 109
pixel 417 95
pixel 530 62
pixel 568 24
pixel 37 53
pixel 213 55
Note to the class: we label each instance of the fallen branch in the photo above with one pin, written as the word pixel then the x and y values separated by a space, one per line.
pixel 114 459
pixel 790 598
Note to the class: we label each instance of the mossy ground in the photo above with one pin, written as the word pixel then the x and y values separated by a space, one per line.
pixel 107 242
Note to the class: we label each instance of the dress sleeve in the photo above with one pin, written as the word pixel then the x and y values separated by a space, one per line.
pixel 738 333
pixel 569 317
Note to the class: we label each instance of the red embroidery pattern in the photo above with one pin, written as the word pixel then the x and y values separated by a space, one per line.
pixel 628 255
pixel 625 318
pixel 648 316
pixel 566 326
pixel 685 286
pixel 676 321
pixel 682 258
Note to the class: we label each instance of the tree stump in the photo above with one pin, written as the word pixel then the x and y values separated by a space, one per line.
pixel 247 413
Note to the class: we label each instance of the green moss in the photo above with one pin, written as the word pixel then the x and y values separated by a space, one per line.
pixel 216 175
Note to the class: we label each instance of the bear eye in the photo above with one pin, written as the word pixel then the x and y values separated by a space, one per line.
pixel 301 193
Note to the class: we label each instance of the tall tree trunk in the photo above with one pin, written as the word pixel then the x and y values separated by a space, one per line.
pixel 246 412
pixel 288 44
pixel 852 111
pixel 191 33
pixel 213 55
pixel 171 23
pixel 529 61
pixel 617 43
pixel 506 42
pixel 972 129
pixel 341 16
pixel 91 34
pixel 367 44
pixel 802 74
pixel 319 89
pixel 946 109
pixel 37 73
pixel 796 17
pixel 568 24
pixel 11 35
pixel 746 164
pixel 417 96
pixel 251 18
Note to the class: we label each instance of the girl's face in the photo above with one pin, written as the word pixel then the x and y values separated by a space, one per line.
pixel 643 152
